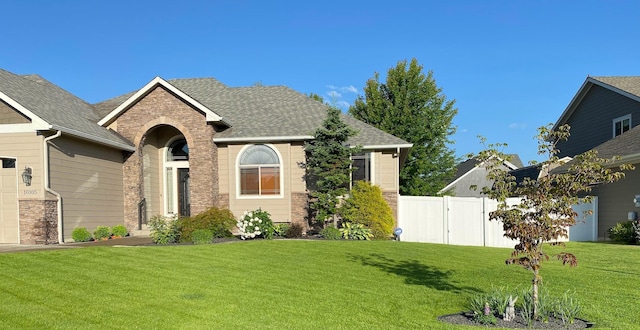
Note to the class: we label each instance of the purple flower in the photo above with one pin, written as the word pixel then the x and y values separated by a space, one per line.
pixel 487 310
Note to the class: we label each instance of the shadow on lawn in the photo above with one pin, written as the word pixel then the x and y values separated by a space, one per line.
pixel 414 272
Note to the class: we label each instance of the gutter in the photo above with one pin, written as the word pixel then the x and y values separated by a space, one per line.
pixel 46 183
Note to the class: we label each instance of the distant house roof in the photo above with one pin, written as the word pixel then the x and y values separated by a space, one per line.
pixel 628 86
pixel 468 166
pixel 50 107
pixel 531 171
pixel 262 113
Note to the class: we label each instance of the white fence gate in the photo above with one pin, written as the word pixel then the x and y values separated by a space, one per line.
pixel 465 221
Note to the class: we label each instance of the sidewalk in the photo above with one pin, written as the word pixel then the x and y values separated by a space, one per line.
pixel 125 241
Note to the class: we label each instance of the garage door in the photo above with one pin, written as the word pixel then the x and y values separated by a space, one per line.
pixel 8 202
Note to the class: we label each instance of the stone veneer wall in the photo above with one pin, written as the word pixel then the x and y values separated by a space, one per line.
pixel 299 209
pixel 161 107
pixel 392 200
pixel 38 221
pixel 223 201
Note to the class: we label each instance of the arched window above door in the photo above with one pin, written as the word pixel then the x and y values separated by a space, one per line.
pixel 178 150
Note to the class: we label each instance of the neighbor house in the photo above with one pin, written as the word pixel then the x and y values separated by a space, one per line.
pixel 602 116
pixel 472 173
pixel 173 147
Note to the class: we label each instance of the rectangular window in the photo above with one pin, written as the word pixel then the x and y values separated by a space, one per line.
pixel 621 125
pixel 361 167
pixel 250 181
pixel 8 163
pixel 270 180
pixel 170 192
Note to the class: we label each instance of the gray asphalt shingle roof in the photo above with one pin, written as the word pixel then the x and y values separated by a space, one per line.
pixel 629 84
pixel 57 107
pixel 262 112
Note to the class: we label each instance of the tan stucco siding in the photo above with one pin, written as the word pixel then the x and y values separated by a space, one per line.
pixel 385 166
pixel 615 201
pixel 27 149
pixel 278 206
pixel 89 179
pixel 8 115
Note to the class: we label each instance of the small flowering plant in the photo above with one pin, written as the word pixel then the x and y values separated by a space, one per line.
pixel 255 223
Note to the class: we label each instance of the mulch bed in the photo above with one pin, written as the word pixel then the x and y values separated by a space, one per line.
pixel 517 323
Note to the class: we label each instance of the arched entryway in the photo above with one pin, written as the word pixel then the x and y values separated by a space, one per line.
pixel 165 172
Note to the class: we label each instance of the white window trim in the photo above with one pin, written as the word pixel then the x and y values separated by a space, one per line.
pixel 175 164
pixel 372 167
pixel 620 119
pixel 237 174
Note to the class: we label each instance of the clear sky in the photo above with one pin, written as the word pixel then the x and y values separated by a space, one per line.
pixel 511 66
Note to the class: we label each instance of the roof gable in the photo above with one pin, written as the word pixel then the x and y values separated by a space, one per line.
pixel 628 86
pixel 470 165
pixel 157 81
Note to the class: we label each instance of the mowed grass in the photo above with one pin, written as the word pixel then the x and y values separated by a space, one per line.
pixel 294 284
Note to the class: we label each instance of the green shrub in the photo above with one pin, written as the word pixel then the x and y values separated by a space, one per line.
pixel 623 232
pixel 636 230
pixel 102 232
pixel 256 224
pixel 356 231
pixel 81 234
pixel 163 230
pixel 120 231
pixel 366 206
pixel 218 221
pixel 202 236
pixel 330 232
pixel 294 231
pixel 567 308
pixel 280 229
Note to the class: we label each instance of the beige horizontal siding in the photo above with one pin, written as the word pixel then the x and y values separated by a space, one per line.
pixel 26 148
pixel 8 115
pixel 386 170
pixel 89 179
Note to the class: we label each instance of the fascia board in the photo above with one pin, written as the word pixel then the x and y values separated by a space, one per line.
pixel 92 138
pixel 209 115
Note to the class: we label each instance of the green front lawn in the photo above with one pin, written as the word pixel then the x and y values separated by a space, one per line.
pixel 294 284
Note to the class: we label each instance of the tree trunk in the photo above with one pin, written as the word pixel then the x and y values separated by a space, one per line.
pixel 534 297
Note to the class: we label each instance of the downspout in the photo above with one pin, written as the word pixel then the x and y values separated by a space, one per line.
pixel 46 183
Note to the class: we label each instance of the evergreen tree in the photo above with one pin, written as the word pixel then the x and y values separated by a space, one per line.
pixel 412 107
pixel 328 165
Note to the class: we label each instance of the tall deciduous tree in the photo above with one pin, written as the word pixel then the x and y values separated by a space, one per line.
pixel 328 165
pixel 544 213
pixel 410 105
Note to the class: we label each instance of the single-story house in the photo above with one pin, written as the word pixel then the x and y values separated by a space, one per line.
pixel 173 147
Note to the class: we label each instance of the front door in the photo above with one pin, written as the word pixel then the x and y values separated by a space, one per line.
pixel 184 200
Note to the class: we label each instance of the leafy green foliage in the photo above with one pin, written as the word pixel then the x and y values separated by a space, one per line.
pixel 280 229
pixel 202 236
pixel 163 230
pixel 567 308
pixel 367 206
pixel 623 232
pixel 81 234
pixel 545 211
pixel 294 231
pixel 119 230
pixel 355 231
pixel 102 232
pixel 218 221
pixel 328 165
pixel 256 224
pixel 411 106
pixel 330 232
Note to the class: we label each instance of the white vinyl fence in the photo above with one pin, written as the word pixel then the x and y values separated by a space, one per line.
pixel 465 221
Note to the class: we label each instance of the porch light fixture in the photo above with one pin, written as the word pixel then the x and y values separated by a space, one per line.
pixel 26 176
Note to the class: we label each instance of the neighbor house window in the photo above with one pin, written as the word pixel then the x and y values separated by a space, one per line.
pixel 621 125
pixel 259 171
pixel 361 167
pixel 8 163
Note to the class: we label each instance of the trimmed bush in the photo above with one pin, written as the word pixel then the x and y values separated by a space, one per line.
pixel 102 232
pixel 330 232
pixel 202 236
pixel 623 232
pixel 163 230
pixel 119 231
pixel 294 231
pixel 366 206
pixel 280 229
pixel 81 234
pixel 218 221
pixel 256 224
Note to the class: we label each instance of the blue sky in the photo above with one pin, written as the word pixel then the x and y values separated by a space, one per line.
pixel 511 66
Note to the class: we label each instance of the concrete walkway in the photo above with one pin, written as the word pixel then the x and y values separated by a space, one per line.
pixel 125 241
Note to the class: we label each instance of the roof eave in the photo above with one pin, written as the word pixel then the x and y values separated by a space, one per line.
pixel 93 138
